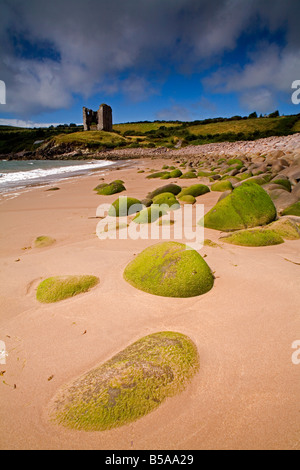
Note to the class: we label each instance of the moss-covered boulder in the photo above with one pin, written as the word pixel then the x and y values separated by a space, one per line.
pixel 168 188
pixel 283 182
pixel 166 198
pixel 130 385
pixel 187 199
pixel 294 209
pixel 286 228
pixel 254 237
pixel 246 207
pixel 158 174
pixel 175 173
pixel 149 215
pixel 124 206
pixel 221 186
pixel 105 189
pixel 188 175
pixel 44 241
pixel 170 270
pixel 59 288
pixel 194 190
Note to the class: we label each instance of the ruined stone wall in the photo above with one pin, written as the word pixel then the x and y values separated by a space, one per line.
pixel 100 120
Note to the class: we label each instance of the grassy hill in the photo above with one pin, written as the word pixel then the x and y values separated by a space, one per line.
pixel 148 134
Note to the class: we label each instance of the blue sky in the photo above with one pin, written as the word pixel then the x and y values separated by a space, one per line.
pixel 147 59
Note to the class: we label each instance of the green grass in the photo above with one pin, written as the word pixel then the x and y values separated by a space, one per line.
pixel 169 269
pixel 141 127
pixel 90 138
pixel 59 288
pixel 245 126
pixel 130 385
pixel 43 241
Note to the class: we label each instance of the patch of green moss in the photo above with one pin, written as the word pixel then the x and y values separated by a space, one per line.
pixel 168 188
pixel 294 209
pixel 158 174
pixel 286 228
pixel 59 288
pixel 44 241
pixel 124 206
pixel 166 198
pixel 175 173
pixel 188 175
pixel 194 190
pixel 167 176
pixel 255 237
pixel 169 269
pixel 205 173
pixel 165 222
pixel 221 186
pixel 283 182
pixel 105 189
pixel 149 215
pixel 188 199
pixel 246 207
pixel 210 243
pixel 130 385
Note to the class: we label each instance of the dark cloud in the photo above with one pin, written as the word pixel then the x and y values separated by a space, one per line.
pixel 51 50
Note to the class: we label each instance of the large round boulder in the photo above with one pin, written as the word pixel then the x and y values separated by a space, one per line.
pixel 170 269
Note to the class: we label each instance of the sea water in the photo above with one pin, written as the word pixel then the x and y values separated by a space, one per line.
pixel 17 174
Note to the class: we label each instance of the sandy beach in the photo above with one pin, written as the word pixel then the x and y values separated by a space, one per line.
pixel 246 392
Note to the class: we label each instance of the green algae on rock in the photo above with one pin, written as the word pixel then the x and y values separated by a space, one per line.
pixel 254 237
pixel 194 190
pixel 169 269
pixel 188 199
pixel 294 209
pixel 221 186
pixel 167 199
pixel 124 206
pixel 149 215
pixel 59 288
pixel 44 241
pixel 168 188
pixel 246 207
pixel 105 189
pixel 130 385
pixel 286 228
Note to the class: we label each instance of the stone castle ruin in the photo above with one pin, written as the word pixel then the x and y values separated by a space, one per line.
pixel 100 120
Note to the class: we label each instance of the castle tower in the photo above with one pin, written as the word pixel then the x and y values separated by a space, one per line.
pixel 104 118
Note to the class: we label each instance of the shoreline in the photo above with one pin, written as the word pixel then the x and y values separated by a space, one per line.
pixel 246 393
